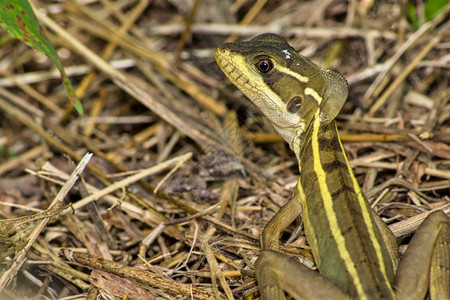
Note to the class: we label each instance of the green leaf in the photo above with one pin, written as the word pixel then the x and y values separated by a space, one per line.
pixel 430 9
pixel 18 18
pixel 433 7
pixel 412 15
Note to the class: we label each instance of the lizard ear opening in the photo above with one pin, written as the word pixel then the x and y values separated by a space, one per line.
pixel 334 97
pixel 294 104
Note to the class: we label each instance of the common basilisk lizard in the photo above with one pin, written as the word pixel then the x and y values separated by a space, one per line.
pixel 355 252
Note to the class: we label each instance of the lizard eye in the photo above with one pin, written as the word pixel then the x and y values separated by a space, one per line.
pixel 264 65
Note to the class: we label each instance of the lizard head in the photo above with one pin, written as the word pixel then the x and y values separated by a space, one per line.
pixel 287 87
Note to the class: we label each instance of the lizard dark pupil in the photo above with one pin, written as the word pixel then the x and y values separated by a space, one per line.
pixel 265 65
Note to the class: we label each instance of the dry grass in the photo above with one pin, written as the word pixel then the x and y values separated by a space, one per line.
pixel 185 172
